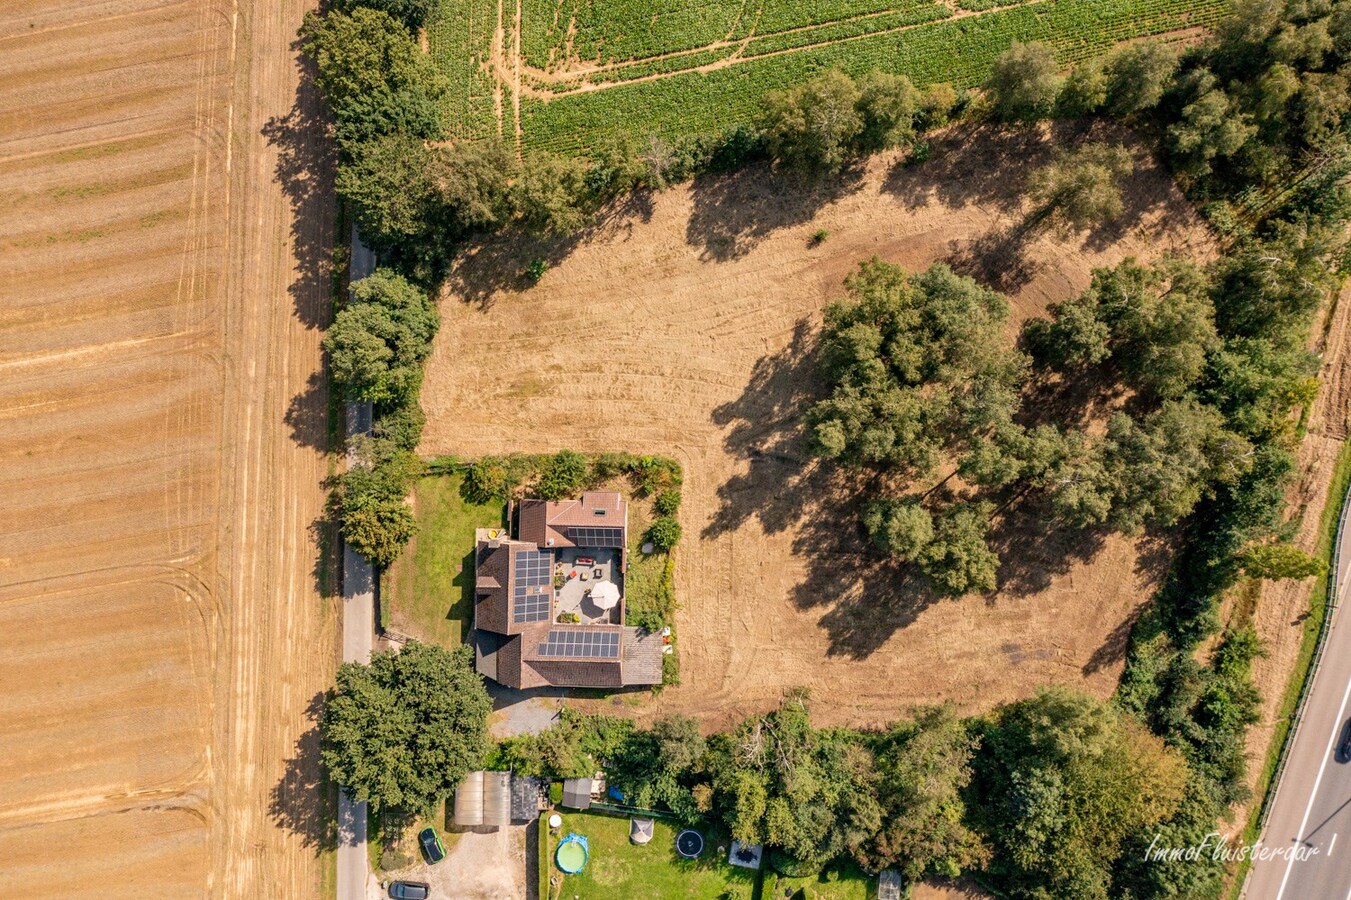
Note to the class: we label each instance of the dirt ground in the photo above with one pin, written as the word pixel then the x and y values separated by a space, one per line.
pixel 162 450
pixel 680 326
pixel 488 865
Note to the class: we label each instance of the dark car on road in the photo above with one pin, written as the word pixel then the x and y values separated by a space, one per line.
pixel 1344 745
pixel 432 848
pixel 409 890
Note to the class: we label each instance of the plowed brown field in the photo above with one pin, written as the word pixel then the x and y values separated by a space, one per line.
pixel 681 327
pixel 162 633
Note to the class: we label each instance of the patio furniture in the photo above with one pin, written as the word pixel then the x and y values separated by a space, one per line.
pixel 598 572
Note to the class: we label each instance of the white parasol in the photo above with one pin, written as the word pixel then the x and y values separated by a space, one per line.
pixel 605 595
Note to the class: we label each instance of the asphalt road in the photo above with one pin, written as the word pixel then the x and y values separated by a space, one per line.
pixel 358 631
pixel 1310 818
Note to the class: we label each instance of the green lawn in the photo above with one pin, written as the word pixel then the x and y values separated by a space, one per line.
pixel 429 591
pixel 845 883
pixel 617 868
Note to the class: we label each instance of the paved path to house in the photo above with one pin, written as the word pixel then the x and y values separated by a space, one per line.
pixel 358 631
pixel 1312 807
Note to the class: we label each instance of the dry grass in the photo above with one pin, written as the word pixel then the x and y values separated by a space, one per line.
pixel 681 325
pixel 161 451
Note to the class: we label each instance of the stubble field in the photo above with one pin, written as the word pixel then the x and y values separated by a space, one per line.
pixel 681 326
pixel 161 451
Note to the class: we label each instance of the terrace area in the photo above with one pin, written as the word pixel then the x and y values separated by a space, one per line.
pixel 579 571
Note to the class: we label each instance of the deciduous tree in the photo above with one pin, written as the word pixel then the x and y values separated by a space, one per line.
pixel 815 125
pixel 402 731
pixel 1024 82
pixel 1081 188
pixel 958 561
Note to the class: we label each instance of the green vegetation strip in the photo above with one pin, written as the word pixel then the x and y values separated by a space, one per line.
pixel 1314 632
pixel 960 51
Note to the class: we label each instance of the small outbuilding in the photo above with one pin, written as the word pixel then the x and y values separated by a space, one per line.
pixel 889 885
pixel 468 807
pixel 577 793
pixel 483 799
pixel 641 830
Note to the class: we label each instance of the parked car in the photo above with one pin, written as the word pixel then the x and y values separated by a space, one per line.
pixel 432 848
pixel 409 890
pixel 1344 745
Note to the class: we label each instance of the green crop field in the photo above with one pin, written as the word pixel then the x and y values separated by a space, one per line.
pixel 586 71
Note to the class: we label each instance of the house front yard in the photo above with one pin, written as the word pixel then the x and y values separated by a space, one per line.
pixel 618 868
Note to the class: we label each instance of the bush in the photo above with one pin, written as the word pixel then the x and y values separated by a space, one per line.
pixel 655 473
pixel 403 425
pixel 376 522
pixel 793 868
pixel 564 476
pixel 667 502
pixel 555 793
pixel 1024 83
pixel 535 271
pixel 664 533
pixel 492 478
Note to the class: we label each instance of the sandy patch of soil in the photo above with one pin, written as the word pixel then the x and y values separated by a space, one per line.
pixel 161 450
pixel 680 325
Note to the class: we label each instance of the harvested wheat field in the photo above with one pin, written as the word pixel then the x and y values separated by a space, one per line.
pixel 681 325
pixel 161 451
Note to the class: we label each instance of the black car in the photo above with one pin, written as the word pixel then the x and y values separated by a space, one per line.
pixel 409 890
pixel 1344 745
pixel 432 848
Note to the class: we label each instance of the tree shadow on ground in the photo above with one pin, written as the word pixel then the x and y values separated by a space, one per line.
pixel 498 263
pixel 306 161
pixel 1034 548
pixel 304 802
pixel 999 259
pixel 987 166
pixel 972 166
pixel 735 212
pixel 864 597
pixel 307 415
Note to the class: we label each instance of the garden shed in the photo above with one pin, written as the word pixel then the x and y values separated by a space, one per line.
pixel 577 793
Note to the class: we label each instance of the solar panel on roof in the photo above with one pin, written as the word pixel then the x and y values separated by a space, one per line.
pixel 581 645
pixel 590 536
pixel 532 589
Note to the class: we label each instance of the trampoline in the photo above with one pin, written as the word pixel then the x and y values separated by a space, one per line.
pixel 572 854
pixel 689 844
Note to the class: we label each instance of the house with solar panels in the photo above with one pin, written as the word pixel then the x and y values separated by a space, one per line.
pixel 549 603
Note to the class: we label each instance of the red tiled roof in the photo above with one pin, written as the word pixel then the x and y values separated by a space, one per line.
pixel 545 522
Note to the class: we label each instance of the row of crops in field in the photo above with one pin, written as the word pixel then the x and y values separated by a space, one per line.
pixel 913 12
pixel 610 31
pixel 959 51
pixel 909 14
pixel 459 37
